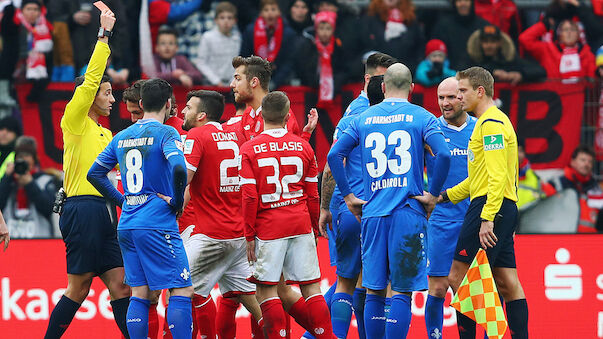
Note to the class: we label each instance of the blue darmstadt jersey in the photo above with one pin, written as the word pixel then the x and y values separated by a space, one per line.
pixel 353 166
pixel 457 139
pixel 391 137
pixel 358 105
pixel 142 151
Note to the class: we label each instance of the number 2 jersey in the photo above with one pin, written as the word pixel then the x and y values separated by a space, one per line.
pixel 213 154
pixel 142 151
pixel 280 186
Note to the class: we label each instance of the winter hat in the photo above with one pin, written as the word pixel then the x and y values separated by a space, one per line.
pixel 324 16
pixel 434 45
pixel 27 2
pixel 600 57
pixel 12 125
pixel 489 31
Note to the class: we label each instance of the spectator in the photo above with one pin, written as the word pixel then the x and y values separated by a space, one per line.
pixel 393 29
pixel 219 45
pixel 27 194
pixel 590 26
pixel 578 176
pixel 494 50
pixel 455 28
pixel 299 16
pixel 271 38
pixel 436 66
pixel 500 13
pixel 10 130
pixel 119 76
pixel 176 69
pixel 599 63
pixel 566 57
pixel 530 188
pixel 174 13
pixel 321 58
pixel 63 70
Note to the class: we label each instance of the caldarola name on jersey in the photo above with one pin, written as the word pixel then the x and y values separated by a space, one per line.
pixel 278 146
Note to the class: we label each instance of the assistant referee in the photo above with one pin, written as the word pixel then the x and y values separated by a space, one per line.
pixel 89 236
pixel 491 219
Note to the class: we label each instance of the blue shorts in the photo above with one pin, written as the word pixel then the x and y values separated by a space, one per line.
pixel 89 236
pixel 155 258
pixel 393 249
pixel 441 242
pixel 331 234
pixel 505 223
pixel 347 240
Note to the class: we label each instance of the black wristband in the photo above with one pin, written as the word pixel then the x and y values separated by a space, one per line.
pixel 445 197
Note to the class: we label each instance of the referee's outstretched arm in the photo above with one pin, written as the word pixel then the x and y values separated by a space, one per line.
pixel 78 107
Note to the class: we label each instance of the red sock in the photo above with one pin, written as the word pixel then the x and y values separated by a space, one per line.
pixel 299 312
pixel 274 318
pixel 226 327
pixel 205 315
pixel 288 318
pixel 153 322
pixel 166 327
pixel 257 331
pixel 319 317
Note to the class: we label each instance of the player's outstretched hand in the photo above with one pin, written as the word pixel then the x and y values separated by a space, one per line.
pixel 354 205
pixel 312 121
pixel 428 201
pixel 107 20
pixel 251 251
pixel 4 234
pixel 325 219
pixel 486 234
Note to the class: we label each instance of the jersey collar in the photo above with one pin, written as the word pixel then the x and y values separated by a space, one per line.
pixel 452 127
pixel 395 100
pixel 146 121
pixel 254 114
pixel 215 124
pixel 234 120
pixel 363 95
pixel 276 133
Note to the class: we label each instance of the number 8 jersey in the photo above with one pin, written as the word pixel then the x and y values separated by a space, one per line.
pixel 391 136
pixel 280 186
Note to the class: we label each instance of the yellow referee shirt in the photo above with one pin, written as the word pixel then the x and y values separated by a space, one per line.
pixel 84 139
pixel 492 163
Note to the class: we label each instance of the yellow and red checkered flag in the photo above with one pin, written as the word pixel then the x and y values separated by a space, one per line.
pixel 478 299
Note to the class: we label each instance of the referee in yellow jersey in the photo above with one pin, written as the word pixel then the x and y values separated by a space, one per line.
pixel 491 219
pixel 89 236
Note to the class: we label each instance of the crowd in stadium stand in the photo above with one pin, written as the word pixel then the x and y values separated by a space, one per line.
pixel 315 43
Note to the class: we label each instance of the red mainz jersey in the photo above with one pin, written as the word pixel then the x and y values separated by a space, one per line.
pixel 279 186
pixel 252 123
pixel 215 194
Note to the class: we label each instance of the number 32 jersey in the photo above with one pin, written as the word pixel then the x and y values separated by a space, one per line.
pixel 391 136
pixel 142 151
pixel 279 170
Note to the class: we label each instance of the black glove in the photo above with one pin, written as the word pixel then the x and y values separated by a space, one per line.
pixel 436 70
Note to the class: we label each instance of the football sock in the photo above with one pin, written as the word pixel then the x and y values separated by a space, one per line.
pixel 341 314
pixel 120 310
pixel 153 321
pixel 434 316
pixel 319 317
pixel 388 305
pixel 138 318
pixel 374 316
pixel 166 328
pixel 226 327
pixel 359 299
pixel 466 326
pixel 328 300
pixel 205 315
pixel 180 317
pixel 257 331
pixel 274 318
pixel 61 317
pixel 299 312
pixel 399 317
pixel 517 314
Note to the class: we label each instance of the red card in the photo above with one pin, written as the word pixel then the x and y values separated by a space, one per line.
pixel 101 6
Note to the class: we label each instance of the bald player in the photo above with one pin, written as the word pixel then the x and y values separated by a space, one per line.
pixel 393 226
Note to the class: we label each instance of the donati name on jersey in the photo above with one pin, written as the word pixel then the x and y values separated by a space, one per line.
pixel 388 183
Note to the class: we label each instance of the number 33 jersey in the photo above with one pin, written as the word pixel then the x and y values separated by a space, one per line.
pixel 391 136
pixel 279 169
pixel 142 151
pixel 213 154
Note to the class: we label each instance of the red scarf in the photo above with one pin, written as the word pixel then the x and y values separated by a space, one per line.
pixel 42 43
pixel 261 46
pixel 570 64
pixel 326 86
pixel 575 177
pixel 394 27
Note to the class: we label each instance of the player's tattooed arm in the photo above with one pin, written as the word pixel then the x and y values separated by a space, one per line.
pixel 327 188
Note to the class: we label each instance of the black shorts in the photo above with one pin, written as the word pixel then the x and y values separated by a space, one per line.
pixel 505 223
pixel 90 237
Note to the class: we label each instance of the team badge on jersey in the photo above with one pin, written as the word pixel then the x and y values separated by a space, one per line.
pixel 470 155
pixel 493 142
pixel 179 145
pixel 188 146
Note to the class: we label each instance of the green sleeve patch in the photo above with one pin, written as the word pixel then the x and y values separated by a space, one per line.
pixel 493 142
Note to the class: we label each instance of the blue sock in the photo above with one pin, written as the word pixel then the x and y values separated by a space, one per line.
pixel 61 317
pixel 180 317
pixel 138 318
pixel 328 299
pixel 374 316
pixel 359 299
pixel 388 304
pixel 341 314
pixel 434 316
pixel 399 317
pixel 120 310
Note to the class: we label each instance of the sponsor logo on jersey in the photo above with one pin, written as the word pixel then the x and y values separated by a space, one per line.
pixel 458 151
pixel 188 146
pixel 493 142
